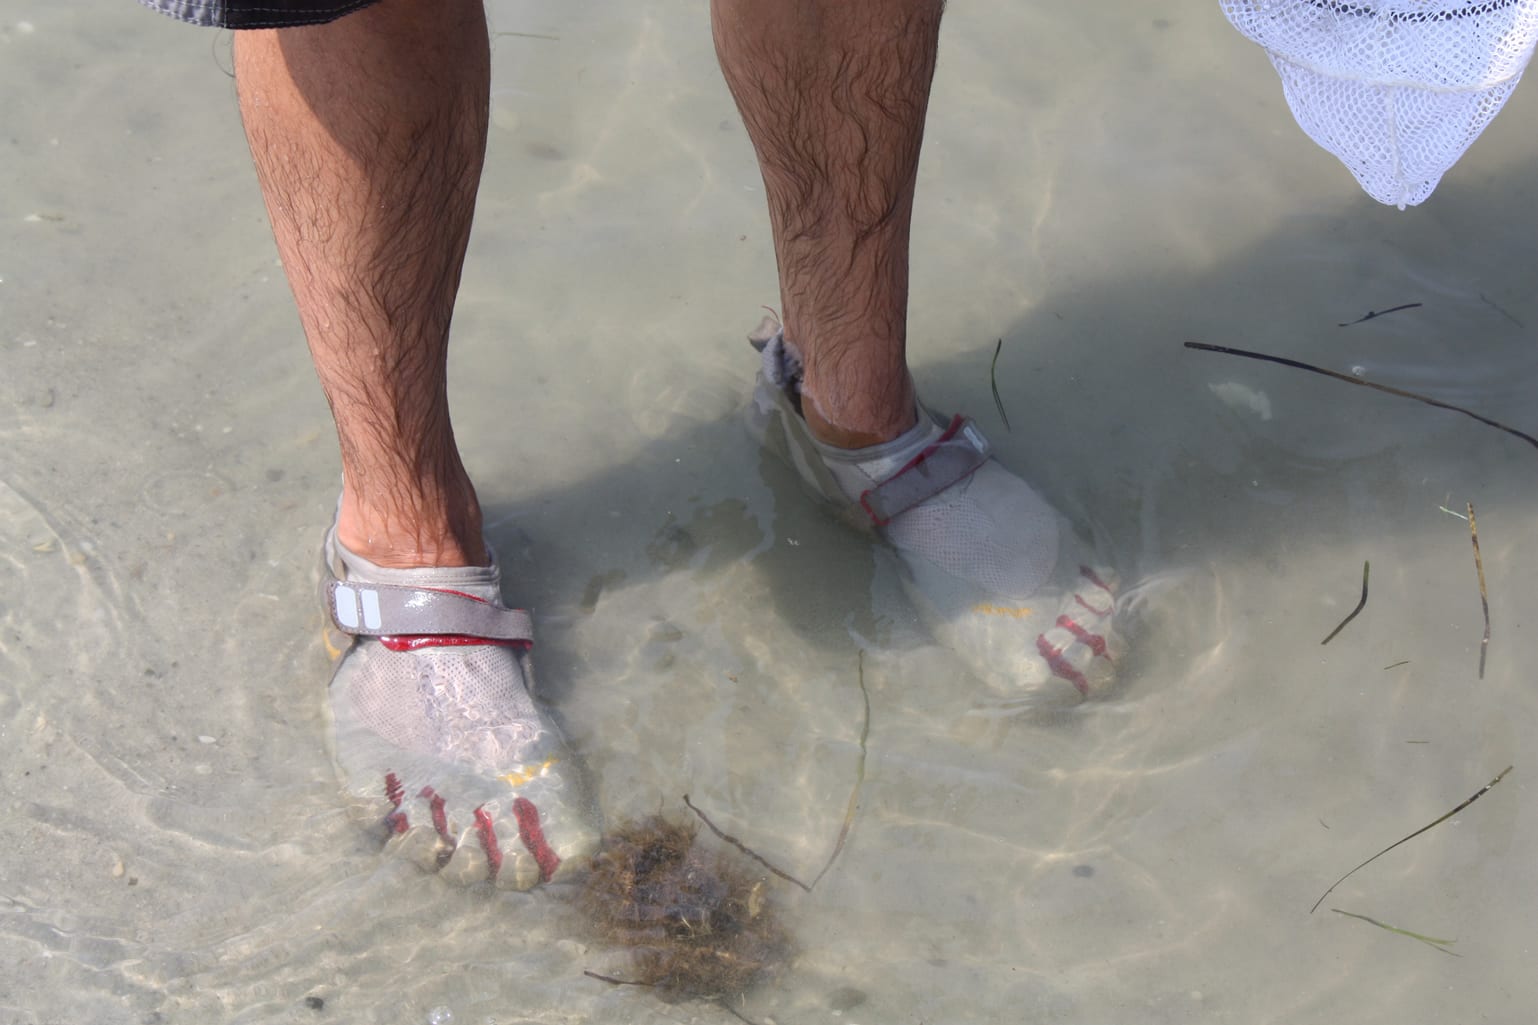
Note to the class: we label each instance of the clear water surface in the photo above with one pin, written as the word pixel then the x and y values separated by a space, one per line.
pixel 1101 183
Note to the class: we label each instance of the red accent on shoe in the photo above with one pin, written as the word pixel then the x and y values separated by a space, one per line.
pixel 533 837
pixel 411 642
pixel 1059 665
pixel 396 823
pixel 950 432
pixel 393 789
pixel 450 590
pixel 1094 642
pixel 488 835
pixel 440 818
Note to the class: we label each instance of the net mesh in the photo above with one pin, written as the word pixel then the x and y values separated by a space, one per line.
pixel 1396 90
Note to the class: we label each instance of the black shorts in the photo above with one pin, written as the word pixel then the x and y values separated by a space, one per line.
pixel 256 13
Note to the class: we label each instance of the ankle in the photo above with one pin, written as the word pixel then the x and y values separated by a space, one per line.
pixel 866 428
pixel 401 537
pixel 411 549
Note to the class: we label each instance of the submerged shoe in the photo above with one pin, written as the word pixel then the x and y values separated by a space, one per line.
pixel 433 724
pixel 987 560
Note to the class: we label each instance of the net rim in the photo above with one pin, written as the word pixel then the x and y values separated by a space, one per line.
pixel 1413 17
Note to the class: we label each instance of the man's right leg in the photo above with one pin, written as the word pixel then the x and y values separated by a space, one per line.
pixel 368 134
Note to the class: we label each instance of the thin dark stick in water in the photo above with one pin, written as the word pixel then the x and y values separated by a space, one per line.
pixel 859 778
pixel 729 1009
pixel 1430 941
pixel 613 981
pixel 1499 309
pixel 993 380
pixel 1337 375
pixel 744 848
pixel 1482 791
pixel 1359 607
pixel 1378 313
pixel 1484 601
pixel 843 832
pixel 1396 665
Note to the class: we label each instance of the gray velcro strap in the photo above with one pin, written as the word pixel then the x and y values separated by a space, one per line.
pixel 953 456
pixel 378 610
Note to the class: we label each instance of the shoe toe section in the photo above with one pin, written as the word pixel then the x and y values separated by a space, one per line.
pixel 474 780
pixel 469 863
pixel 421 845
pixel 1057 646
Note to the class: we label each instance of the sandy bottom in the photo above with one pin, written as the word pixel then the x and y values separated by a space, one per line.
pixel 1099 186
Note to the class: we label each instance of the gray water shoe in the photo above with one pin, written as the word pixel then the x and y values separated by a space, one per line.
pixel 991 565
pixel 435 730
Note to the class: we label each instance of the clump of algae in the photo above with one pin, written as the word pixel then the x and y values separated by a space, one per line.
pixel 698 920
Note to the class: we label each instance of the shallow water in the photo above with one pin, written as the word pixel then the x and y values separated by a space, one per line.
pixel 1099 186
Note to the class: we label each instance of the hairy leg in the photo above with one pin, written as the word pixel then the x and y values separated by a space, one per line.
pixel 833 94
pixel 368 136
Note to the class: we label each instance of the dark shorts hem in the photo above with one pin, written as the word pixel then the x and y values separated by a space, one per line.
pixel 256 13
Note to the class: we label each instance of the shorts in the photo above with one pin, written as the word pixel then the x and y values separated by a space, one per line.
pixel 256 13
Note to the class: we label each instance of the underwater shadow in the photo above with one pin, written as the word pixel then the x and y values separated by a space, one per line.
pixel 1165 455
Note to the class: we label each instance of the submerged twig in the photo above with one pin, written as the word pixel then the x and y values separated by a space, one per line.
pixel 1484 600
pixel 1378 313
pixel 1481 792
pixel 1349 379
pixel 616 982
pixel 859 778
pixel 843 833
pixel 744 848
pixel 729 1009
pixel 1396 665
pixel 1500 309
pixel 1359 607
pixel 1430 941
pixel 993 381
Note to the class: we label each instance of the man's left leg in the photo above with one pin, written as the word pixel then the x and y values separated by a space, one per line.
pixel 834 95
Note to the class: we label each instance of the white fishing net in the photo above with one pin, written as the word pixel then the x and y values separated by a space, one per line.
pixel 1397 89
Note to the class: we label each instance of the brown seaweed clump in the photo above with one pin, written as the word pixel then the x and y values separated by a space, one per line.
pixel 698 921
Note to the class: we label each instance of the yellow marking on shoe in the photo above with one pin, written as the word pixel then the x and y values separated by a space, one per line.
pixel 524 775
pixel 332 651
pixel 1012 611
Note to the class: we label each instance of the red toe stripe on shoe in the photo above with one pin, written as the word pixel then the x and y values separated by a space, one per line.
pixel 1103 613
pixel 440 818
pixel 1094 642
pixel 1059 665
pixel 411 642
pixel 393 789
pixel 488 835
pixel 533 837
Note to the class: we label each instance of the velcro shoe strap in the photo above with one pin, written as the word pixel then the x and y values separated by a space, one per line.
pixel 380 610
pixel 952 457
